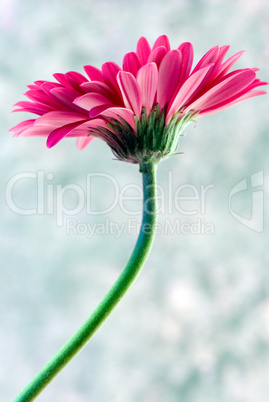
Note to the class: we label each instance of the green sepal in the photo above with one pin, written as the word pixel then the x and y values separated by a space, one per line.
pixel 151 141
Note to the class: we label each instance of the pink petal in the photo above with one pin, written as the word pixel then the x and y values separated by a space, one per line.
pixel 40 82
pixel 90 100
pixel 95 111
pixel 40 96
pixel 20 127
pixel 94 73
pixel 143 50
pixel 82 142
pixel 65 98
pixel 256 83
pixel 84 129
pixel 162 41
pixel 214 70
pixel 224 90
pixel 147 78
pixel 210 77
pixel 169 75
pixel 94 123
pixel 64 94
pixel 245 93
pixel 125 114
pixel 47 87
pixel 35 85
pixel 37 131
pixel 157 55
pixel 208 58
pixel 56 135
pixel 131 93
pixel 131 63
pixel 61 78
pixel 61 97
pixel 81 130
pixel 30 107
pixel 225 67
pixel 187 52
pixel 222 52
pixel 101 88
pixel 188 89
pixel 248 95
pixel 59 118
pixel 76 79
pixel 110 71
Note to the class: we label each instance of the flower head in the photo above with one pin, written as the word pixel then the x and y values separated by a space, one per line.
pixel 140 109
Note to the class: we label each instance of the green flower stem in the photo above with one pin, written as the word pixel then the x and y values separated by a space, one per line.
pixel 111 299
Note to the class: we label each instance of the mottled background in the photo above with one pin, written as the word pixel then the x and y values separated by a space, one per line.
pixel 195 326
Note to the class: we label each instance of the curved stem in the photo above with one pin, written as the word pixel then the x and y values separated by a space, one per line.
pixel 111 299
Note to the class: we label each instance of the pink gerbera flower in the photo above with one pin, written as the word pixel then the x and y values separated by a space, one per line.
pixel 139 109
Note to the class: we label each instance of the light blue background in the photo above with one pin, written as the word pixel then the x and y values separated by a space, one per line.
pixel 195 326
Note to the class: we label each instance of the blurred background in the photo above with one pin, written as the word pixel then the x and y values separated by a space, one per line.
pixel 195 325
